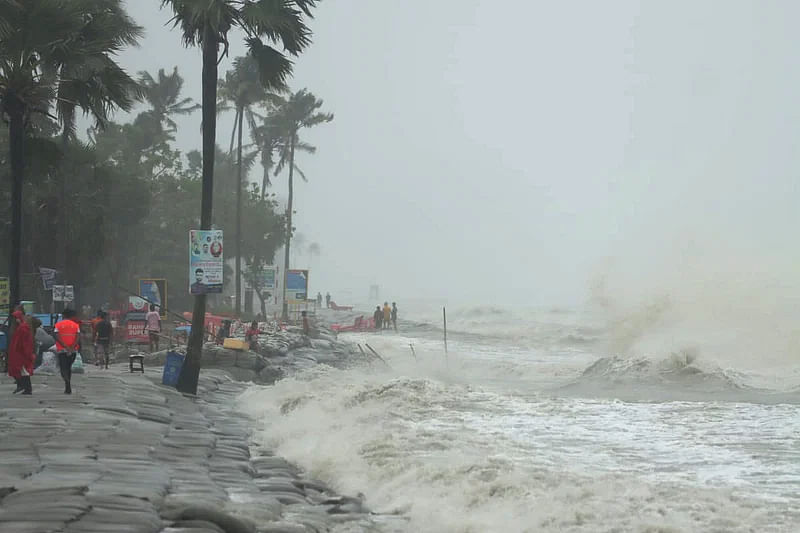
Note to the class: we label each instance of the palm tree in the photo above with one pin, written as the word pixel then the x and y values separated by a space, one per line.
pixel 90 79
pixel 300 111
pixel 164 97
pixel 62 53
pixel 266 138
pixel 207 23
pixel 313 251
pixel 243 88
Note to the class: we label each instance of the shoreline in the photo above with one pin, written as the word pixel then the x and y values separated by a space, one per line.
pixel 124 453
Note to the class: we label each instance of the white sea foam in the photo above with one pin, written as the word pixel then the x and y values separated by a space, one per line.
pixel 484 442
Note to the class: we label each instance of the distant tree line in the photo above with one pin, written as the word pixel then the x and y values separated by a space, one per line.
pixel 105 210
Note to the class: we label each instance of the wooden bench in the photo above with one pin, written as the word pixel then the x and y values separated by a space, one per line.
pixel 136 359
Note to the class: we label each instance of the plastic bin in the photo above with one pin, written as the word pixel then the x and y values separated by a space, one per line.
pixel 172 369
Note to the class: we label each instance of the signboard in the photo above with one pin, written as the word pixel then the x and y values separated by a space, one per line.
pixel 135 320
pixel 4 298
pixel 296 286
pixel 155 291
pixel 205 261
pixel 266 279
pixel 63 293
pixel 134 332
pixel 48 277
pixel 137 308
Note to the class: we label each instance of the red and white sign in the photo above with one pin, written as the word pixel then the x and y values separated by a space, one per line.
pixel 135 321
pixel 134 331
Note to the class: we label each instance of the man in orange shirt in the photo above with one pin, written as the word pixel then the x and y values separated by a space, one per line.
pixel 67 333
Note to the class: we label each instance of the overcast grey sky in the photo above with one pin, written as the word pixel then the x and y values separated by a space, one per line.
pixel 509 151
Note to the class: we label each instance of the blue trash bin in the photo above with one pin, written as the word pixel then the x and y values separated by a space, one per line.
pixel 172 369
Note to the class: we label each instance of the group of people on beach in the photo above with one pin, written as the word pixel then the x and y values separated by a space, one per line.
pixel 386 318
pixel 327 300
pixel 67 338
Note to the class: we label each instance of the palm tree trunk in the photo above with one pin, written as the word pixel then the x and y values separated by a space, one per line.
pixel 62 235
pixel 288 228
pixel 264 181
pixel 239 218
pixel 16 130
pixel 233 132
pixel 190 373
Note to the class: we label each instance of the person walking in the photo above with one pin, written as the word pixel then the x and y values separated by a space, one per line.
pixel 103 333
pixel 378 316
pixel 319 299
pixel 96 320
pixel 152 321
pixel 387 315
pixel 21 355
pixel 67 333
pixel 41 339
pixel 394 315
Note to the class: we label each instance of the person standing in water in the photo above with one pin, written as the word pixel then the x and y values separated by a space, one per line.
pixel 328 300
pixel 387 315
pixel 378 316
pixel 394 315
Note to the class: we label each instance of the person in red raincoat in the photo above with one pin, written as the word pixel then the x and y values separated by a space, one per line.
pixel 21 355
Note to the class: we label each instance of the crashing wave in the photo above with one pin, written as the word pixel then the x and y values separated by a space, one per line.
pixel 682 367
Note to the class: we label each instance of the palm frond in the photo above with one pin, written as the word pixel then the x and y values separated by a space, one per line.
pixel 305 147
pixel 195 17
pixel 279 21
pixel 300 173
pixel 274 68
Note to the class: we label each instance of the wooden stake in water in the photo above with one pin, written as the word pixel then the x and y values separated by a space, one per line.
pixel 444 316
pixel 376 354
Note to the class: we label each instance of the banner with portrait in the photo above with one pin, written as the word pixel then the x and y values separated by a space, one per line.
pixel 206 264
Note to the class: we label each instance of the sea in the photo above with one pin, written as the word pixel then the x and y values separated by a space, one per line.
pixel 553 419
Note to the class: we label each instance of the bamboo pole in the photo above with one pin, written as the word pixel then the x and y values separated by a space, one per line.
pixel 376 354
pixel 444 316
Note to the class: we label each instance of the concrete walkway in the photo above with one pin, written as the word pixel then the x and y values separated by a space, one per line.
pixel 125 454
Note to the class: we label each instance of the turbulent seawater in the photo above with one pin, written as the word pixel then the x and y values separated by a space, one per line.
pixel 539 421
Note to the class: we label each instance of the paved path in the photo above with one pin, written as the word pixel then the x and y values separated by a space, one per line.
pixel 124 454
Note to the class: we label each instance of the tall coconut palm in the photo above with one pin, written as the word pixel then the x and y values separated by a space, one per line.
pixel 300 111
pixel 207 23
pixel 313 251
pixel 90 79
pixel 266 138
pixel 164 96
pixel 243 88
pixel 58 53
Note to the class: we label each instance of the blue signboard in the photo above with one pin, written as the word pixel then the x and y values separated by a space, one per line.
pixel 296 285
